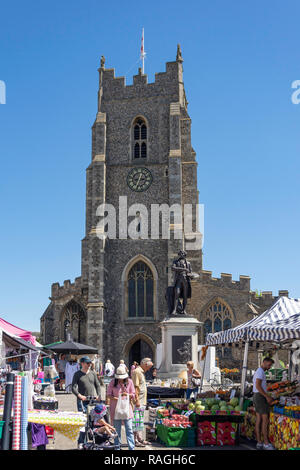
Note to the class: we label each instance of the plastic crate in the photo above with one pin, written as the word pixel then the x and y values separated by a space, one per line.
pixel 279 410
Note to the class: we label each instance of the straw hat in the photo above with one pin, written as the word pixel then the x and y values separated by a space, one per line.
pixel 121 373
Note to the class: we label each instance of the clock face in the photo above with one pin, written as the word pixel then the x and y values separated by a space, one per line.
pixel 139 179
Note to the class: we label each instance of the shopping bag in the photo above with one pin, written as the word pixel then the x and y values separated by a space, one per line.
pixel 138 419
pixel 122 408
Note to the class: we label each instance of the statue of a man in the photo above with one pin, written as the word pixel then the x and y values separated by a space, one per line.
pixel 182 285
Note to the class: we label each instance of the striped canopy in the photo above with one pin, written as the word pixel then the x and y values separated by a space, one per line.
pixel 281 322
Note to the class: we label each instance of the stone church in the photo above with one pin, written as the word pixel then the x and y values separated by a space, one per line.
pixel 142 150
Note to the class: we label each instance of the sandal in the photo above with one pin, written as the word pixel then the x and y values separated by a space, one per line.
pixel 139 444
pixel 145 443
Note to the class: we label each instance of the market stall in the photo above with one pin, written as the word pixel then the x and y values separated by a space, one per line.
pixel 65 422
pixel 278 326
pixel 18 359
pixel 207 422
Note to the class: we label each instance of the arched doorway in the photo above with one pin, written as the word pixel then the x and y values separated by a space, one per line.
pixel 139 347
pixel 139 350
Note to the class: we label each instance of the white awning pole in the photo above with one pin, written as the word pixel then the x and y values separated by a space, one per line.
pixel 244 372
pixel 202 375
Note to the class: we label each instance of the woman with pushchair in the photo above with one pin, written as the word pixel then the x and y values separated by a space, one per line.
pixel 121 393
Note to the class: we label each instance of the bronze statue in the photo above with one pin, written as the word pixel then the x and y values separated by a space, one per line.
pixel 182 285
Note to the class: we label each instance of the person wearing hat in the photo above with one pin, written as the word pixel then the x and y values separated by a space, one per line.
pixel 101 426
pixel 85 384
pixel 122 386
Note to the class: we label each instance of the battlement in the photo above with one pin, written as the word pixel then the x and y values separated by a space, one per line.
pixel 266 298
pixel 226 280
pixel 66 289
pixel 166 83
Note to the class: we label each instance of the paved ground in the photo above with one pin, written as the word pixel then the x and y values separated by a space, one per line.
pixel 67 402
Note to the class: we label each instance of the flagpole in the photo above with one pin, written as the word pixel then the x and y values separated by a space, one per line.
pixel 143 53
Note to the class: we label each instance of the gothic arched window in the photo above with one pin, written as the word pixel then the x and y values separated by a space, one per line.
pixel 73 321
pixel 139 139
pixel 217 317
pixel 140 291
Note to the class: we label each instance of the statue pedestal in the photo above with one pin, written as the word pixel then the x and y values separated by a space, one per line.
pixel 179 344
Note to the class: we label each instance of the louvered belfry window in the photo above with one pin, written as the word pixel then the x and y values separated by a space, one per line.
pixel 139 139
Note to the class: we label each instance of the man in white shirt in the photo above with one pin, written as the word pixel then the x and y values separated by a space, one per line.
pixel 262 401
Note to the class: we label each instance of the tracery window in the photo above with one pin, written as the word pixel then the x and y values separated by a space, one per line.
pixel 74 322
pixel 140 291
pixel 217 317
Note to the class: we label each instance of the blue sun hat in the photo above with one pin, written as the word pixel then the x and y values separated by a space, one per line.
pixel 99 411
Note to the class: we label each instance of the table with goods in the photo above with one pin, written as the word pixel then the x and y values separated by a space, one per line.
pixel 23 408
pixel 209 421
pixel 284 427
pixel 160 389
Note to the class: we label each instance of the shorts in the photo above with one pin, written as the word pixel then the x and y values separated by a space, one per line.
pixel 260 404
pixel 61 375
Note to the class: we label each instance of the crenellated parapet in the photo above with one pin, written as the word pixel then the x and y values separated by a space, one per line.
pixel 226 280
pixel 266 298
pixel 166 83
pixel 67 288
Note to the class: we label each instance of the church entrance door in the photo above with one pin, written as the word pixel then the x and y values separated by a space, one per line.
pixel 138 351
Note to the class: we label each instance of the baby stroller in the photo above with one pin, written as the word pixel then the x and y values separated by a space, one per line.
pixel 93 440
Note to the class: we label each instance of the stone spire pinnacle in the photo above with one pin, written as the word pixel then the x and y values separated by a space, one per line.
pixel 179 54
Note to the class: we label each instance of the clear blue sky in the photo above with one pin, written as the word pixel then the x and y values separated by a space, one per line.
pixel 240 59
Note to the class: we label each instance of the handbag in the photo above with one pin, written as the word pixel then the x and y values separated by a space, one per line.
pixel 196 382
pixel 123 408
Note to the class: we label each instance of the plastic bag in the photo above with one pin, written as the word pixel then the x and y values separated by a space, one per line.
pixel 122 408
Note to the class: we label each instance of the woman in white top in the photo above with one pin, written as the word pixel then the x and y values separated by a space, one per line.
pixel 192 374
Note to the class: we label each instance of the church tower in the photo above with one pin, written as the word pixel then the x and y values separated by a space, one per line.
pixel 143 161
pixel 141 152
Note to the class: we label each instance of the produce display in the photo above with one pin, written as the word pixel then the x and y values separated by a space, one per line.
pixel 284 388
pixel 216 405
pixel 206 422
pixel 230 371
pixel 177 421
pixel 284 432
pixel 212 419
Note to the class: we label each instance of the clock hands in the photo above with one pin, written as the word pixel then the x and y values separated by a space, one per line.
pixel 139 179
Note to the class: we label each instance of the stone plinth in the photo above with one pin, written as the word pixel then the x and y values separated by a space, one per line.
pixel 179 344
